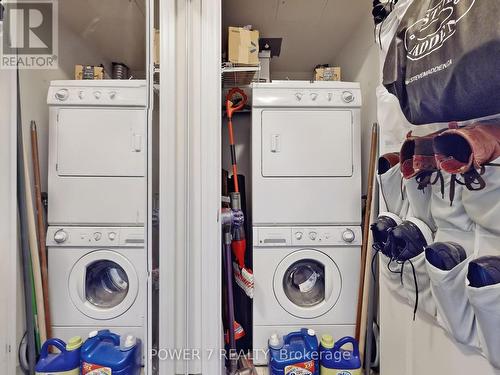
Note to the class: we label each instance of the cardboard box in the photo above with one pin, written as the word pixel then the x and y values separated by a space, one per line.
pixel 89 72
pixel 243 46
pixel 156 47
pixel 331 73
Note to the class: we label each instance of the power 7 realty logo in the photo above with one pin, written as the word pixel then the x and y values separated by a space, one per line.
pixel 29 34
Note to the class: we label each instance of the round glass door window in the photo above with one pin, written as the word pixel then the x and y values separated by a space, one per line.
pixel 106 284
pixel 304 283
pixel 307 283
pixel 103 284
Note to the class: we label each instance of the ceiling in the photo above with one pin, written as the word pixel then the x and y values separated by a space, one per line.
pixel 116 29
pixel 313 31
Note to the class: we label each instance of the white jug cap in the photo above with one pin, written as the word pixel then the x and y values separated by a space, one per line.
pixel 311 332
pixel 93 334
pixel 128 342
pixel 275 341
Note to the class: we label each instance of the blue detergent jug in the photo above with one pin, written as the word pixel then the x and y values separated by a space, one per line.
pixel 104 354
pixel 294 354
pixel 337 361
pixel 66 362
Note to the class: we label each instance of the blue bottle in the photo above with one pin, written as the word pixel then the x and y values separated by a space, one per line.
pixel 104 353
pixel 66 362
pixel 294 354
pixel 337 361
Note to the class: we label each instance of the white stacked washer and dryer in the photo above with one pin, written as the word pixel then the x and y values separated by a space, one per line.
pixel 98 264
pixel 306 208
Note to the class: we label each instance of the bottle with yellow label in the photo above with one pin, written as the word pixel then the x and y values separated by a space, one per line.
pixel 334 360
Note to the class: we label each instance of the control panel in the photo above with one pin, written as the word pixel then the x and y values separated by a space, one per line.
pixel 307 236
pixel 98 92
pixel 311 95
pixel 98 236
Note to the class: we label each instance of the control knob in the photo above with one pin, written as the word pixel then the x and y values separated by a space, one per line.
pixel 348 235
pixel 298 235
pixel 347 97
pixel 299 96
pixel 60 236
pixel 313 235
pixel 62 94
pixel 314 96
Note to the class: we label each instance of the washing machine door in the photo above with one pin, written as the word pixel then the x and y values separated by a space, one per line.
pixel 103 284
pixel 307 283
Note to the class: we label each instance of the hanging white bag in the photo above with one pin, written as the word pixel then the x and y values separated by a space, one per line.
pixel 452 221
pixel 483 206
pixel 455 312
pixel 390 272
pixel 417 285
pixel 486 304
pixel 390 184
pixel 420 202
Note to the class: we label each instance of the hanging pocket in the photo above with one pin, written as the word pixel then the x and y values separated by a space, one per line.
pixel 390 184
pixel 391 276
pixel 453 223
pixel 417 285
pixel 420 202
pixel 464 238
pixel 483 206
pixel 486 305
pixel 488 243
pixel 454 309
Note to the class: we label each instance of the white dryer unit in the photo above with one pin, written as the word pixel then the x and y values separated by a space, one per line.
pixel 98 279
pixel 305 277
pixel 306 153
pixel 97 152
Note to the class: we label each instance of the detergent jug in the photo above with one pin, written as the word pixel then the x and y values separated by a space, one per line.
pixel 337 361
pixel 104 353
pixel 66 362
pixel 294 354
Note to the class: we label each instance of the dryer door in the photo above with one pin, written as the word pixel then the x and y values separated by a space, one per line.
pixel 103 284
pixel 314 143
pixel 106 142
pixel 307 283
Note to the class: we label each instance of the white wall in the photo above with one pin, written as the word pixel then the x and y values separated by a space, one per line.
pixel 359 61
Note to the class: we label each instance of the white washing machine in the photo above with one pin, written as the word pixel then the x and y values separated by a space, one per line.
pixel 305 277
pixel 97 152
pixel 98 279
pixel 306 153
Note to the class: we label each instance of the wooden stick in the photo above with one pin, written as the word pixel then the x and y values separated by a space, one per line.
pixel 364 281
pixel 41 228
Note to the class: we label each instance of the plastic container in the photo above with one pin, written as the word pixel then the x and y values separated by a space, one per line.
pixel 337 361
pixel 66 362
pixel 294 354
pixel 104 353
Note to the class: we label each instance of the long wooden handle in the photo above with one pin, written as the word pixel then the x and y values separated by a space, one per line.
pixel 364 285
pixel 41 228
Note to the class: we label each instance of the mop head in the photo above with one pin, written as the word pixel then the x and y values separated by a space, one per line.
pixel 244 278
